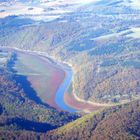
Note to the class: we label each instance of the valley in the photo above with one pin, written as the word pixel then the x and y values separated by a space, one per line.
pixel 38 70
pixel 69 70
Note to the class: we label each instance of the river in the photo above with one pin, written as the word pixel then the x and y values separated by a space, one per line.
pixel 59 95
pixel 59 99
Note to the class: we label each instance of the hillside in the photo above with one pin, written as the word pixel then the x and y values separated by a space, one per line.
pixel 117 123
pixel 101 46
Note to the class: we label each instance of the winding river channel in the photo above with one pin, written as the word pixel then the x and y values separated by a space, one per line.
pixel 63 87
pixel 47 81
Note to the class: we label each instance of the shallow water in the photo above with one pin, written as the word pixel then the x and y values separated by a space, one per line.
pixel 59 99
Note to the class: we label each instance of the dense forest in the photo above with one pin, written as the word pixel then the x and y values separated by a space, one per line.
pixel 117 123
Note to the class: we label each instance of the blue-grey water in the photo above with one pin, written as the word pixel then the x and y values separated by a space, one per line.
pixel 59 99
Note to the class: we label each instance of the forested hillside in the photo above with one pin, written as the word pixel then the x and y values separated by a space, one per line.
pixel 117 123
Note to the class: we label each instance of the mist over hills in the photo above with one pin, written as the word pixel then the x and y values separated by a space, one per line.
pixel 39 9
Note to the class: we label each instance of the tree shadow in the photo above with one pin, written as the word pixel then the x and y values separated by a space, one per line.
pixel 23 81
pixel 29 91
pixel 24 124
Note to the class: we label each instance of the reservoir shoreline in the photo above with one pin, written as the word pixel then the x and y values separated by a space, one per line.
pixel 57 100
pixel 63 99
